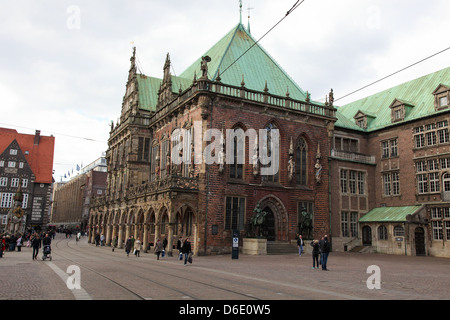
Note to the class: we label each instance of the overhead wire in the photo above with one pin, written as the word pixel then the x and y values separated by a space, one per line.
pixel 295 6
pixel 392 74
pixel 54 133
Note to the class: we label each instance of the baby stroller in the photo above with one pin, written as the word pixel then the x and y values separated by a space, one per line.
pixel 47 253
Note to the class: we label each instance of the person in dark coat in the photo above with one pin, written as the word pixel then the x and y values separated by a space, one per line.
pixel 186 250
pixel 36 244
pixel 128 246
pixel 158 248
pixel 315 253
pixel 324 251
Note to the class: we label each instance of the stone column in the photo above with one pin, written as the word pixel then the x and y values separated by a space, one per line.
pixel 120 239
pixel 145 237
pixel 108 235
pixel 127 232
pixel 170 240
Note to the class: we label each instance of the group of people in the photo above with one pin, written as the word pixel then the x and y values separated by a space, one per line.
pixel 29 239
pixel 184 247
pixel 320 251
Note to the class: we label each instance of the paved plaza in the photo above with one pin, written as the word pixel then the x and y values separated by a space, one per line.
pixel 106 275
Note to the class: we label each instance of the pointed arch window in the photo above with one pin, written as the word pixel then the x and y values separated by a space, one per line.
pixel 188 222
pixel 301 156
pixel 237 168
pixel 269 150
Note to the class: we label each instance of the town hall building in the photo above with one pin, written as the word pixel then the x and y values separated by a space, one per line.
pixel 267 142
pixel 191 156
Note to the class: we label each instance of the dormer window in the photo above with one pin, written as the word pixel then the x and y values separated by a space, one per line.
pixel 441 97
pixel 400 110
pixel 363 119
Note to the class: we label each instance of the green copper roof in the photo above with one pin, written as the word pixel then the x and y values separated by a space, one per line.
pixel 254 68
pixel 390 214
pixel 416 94
pixel 149 86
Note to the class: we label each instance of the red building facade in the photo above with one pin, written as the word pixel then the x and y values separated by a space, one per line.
pixel 216 189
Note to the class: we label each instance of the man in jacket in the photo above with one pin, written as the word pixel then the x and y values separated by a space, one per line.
pixel 186 250
pixel 300 245
pixel 36 244
pixel 324 250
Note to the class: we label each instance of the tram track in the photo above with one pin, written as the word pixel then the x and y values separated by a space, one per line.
pixel 159 269
pixel 226 280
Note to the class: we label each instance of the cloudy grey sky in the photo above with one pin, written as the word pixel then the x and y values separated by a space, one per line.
pixel 64 64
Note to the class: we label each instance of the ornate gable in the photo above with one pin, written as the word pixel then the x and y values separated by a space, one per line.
pixel 441 97
pixel 363 119
pixel 400 109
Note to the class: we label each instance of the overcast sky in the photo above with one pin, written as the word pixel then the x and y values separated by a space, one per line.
pixel 64 64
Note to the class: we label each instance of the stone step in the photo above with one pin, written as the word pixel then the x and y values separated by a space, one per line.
pixel 281 248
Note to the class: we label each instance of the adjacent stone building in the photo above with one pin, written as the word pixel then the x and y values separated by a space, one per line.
pixel 390 170
pixel 187 156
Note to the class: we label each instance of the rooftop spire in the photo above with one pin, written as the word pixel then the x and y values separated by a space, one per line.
pixel 240 11
pixel 248 27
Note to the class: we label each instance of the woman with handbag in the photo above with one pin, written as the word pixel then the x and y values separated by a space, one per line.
pixel 137 247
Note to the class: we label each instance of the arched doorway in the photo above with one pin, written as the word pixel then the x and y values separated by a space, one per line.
pixel 367 236
pixel 419 236
pixel 275 227
pixel 269 225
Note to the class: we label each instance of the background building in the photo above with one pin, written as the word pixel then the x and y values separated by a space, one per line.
pixel 71 200
pixel 26 160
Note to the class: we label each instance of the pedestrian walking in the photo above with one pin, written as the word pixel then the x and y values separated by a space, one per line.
pixel 324 252
pixel 97 239
pixel 19 243
pixel 114 243
pixel 128 246
pixel 35 244
pixel 2 246
pixel 320 252
pixel 12 243
pixel 102 240
pixel 179 246
pixel 186 250
pixel 158 248
pixel 165 244
pixel 315 253
pixel 300 245
pixel 137 247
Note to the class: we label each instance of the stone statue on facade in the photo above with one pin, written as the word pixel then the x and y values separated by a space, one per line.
pixel 255 164
pixel 16 212
pixel 291 168
pixel 291 163
pixel 305 224
pixel 204 66
pixel 257 221
pixel 318 166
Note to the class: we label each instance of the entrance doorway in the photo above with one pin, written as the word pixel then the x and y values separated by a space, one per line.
pixel 367 236
pixel 269 225
pixel 419 235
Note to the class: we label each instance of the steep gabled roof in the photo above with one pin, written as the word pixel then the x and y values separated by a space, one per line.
pixel 39 157
pixel 417 93
pixel 254 68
